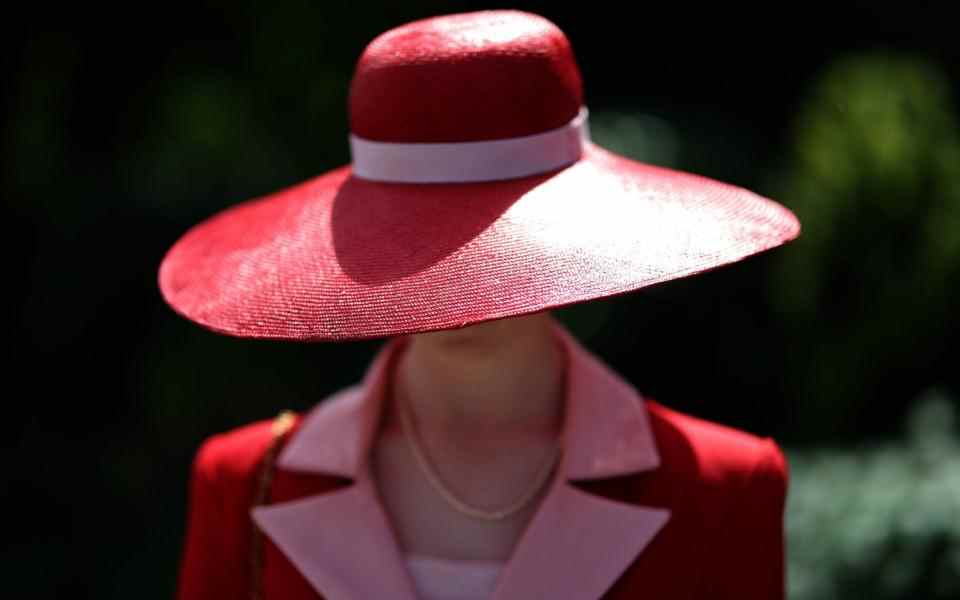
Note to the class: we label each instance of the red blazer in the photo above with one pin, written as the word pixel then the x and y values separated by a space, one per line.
pixel 652 504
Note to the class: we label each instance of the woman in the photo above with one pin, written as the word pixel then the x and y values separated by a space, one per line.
pixel 486 454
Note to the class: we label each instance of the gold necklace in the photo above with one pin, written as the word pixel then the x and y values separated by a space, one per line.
pixel 406 420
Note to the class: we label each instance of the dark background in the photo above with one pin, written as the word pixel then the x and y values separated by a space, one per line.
pixel 124 125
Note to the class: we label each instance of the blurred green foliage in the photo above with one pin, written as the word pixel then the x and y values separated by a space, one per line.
pixel 866 295
pixel 880 521
pixel 869 291
pixel 871 287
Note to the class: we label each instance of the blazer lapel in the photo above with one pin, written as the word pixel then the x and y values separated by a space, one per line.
pixel 341 542
pixel 575 547
pixel 578 544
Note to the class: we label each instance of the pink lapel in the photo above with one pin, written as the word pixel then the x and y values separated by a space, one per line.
pixel 576 546
pixel 341 542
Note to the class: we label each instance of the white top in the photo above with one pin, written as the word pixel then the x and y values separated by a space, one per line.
pixel 445 579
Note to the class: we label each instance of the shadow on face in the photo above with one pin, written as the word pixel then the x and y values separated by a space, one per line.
pixel 488 335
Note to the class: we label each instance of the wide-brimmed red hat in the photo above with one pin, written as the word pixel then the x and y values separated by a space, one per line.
pixel 474 193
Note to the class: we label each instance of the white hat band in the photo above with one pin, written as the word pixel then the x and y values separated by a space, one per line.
pixel 489 160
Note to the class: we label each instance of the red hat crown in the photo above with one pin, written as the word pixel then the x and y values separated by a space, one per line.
pixel 463 78
pixel 463 202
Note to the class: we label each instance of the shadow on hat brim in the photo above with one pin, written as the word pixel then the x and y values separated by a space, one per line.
pixel 340 258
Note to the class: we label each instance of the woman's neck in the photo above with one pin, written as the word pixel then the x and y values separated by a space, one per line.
pixel 490 380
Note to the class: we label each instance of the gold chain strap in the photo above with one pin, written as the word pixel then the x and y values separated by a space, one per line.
pixel 279 429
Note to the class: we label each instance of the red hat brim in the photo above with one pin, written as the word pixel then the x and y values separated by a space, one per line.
pixel 338 257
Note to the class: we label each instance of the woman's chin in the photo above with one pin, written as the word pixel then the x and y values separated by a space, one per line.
pixel 485 335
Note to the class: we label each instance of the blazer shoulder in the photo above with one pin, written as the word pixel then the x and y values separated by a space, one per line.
pixel 720 454
pixel 730 488
pixel 235 455
pixel 223 487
